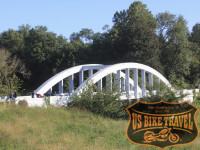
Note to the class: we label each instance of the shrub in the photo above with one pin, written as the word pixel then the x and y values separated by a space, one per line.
pixel 106 102
pixel 196 100
pixel 23 103
pixel 166 95
pixel 47 101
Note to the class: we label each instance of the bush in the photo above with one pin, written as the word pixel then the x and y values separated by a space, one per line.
pixel 47 101
pixel 106 102
pixel 196 100
pixel 23 103
pixel 166 95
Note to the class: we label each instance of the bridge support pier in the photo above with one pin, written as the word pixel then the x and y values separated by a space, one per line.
pixel 61 87
pixel 123 84
pixel 135 72
pixel 100 85
pixel 127 80
pixel 119 80
pixel 90 72
pixel 81 77
pixel 143 83
pixel 150 82
pixel 71 83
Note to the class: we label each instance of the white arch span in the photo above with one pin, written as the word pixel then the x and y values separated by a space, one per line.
pixel 46 86
pixel 127 66
pixel 105 71
pixel 58 78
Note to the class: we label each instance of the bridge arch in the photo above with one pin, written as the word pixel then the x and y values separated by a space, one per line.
pixel 58 78
pixel 127 67
pixel 122 74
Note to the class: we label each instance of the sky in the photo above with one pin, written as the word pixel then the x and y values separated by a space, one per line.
pixel 64 17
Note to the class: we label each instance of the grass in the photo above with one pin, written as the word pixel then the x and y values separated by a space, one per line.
pixel 65 129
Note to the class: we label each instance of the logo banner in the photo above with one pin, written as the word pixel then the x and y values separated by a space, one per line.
pixel 162 124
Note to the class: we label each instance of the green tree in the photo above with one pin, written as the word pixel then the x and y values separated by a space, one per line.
pixel 43 52
pixel 134 33
pixel 194 76
pixel 80 44
pixel 175 47
pixel 195 35
pixel 9 67
pixel 24 29
pixel 86 35
pixel 13 41
pixel 101 49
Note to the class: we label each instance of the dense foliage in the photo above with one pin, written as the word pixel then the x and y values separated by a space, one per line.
pixel 162 42
pixel 105 102
pixel 10 67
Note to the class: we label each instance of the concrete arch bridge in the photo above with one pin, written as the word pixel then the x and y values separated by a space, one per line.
pixel 133 79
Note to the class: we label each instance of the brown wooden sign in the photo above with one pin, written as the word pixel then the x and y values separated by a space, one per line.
pixel 162 124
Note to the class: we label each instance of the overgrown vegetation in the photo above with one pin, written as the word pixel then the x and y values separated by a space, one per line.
pixel 10 66
pixel 164 93
pixel 196 100
pixel 22 103
pixel 107 102
pixel 47 101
